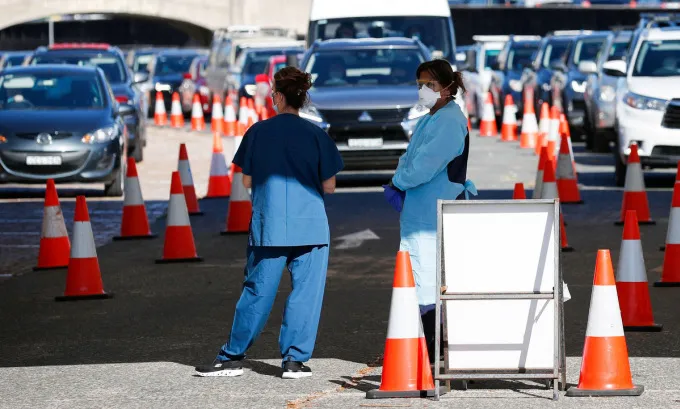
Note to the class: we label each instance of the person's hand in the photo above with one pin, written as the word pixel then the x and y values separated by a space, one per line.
pixel 394 197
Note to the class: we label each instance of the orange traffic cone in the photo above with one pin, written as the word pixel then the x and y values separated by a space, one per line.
pixel 229 118
pixel 564 131
pixel 487 126
pixel 219 184
pixel 252 111
pixel 529 136
pixel 567 186
pixel 549 191
pixel 406 370
pixel 564 243
pixel 519 193
pixel 243 115
pixel 54 243
pixel 634 194
pixel 83 279
pixel 240 208
pixel 605 370
pixel 184 169
pixel 197 120
pixel 179 244
pixel 160 117
pixel 543 127
pixel 670 275
pixel 631 281
pixel 553 137
pixel 176 114
pixel 135 223
pixel 538 186
pixel 217 119
pixel 509 126
pixel 675 187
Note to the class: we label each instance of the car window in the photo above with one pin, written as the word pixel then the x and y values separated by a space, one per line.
pixel 254 62
pixel 113 67
pixel 173 64
pixel 658 59
pixel 14 61
pixel 278 66
pixel 50 91
pixel 141 63
pixel 520 56
pixel 587 50
pixel 618 50
pixel 490 57
pixel 554 52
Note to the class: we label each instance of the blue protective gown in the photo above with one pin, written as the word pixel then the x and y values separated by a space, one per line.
pixel 423 173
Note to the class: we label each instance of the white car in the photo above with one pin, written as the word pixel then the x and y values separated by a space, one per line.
pixel 648 101
pixel 480 70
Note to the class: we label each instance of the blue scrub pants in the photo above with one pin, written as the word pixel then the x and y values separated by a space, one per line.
pixel 264 266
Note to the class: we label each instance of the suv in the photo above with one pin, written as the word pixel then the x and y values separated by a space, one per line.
pixel 110 60
pixel 364 96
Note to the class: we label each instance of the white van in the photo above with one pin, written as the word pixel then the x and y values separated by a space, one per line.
pixel 428 20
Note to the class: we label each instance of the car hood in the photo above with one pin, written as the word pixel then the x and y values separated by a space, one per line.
pixel 655 87
pixel 382 97
pixel 29 121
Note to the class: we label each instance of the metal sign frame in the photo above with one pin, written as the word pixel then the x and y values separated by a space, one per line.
pixel 552 377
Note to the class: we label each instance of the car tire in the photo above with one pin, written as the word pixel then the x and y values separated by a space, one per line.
pixel 619 170
pixel 116 186
pixel 138 153
pixel 600 142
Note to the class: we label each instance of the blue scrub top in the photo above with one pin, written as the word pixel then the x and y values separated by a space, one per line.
pixel 288 158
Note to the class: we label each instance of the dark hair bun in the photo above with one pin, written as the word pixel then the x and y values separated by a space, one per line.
pixel 293 84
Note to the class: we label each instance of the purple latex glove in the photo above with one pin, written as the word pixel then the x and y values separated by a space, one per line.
pixel 394 197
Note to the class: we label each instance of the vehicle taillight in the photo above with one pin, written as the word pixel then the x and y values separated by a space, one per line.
pixel 123 99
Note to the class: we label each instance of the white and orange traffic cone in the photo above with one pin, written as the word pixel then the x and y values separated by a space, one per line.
pixel 509 125
pixel 243 115
pixel 252 111
pixel 553 138
pixel 217 117
pixel 529 136
pixel 543 128
pixel 538 185
pixel 83 279
pixel 229 118
pixel 176 114
pixel 406 371
pixel 240 209
pixel 197 120
pixel 184 169
pixel 179 246
pixel 135 223
pixel 549 191
pixel 675 187
pixel 634 194
pixel 219 183
pixel 631 281
pixel 567 185
pixel 55 246
pixel 564 243
pixel 564 131
pixel 605 369
pixel 487 126
pixel 518 193
pixel 670 275
pixel 160 117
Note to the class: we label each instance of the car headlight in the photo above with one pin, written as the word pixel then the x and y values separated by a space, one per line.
pixel 102 135
pixel 416 112
pixel 516 85
pixel 607 93
pixel 310 113
pixel 546 87
pixel 578 86
pixel 250 89
pixel 641 102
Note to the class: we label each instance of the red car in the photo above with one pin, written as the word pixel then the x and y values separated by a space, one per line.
pixel 265 80
pixel 195 82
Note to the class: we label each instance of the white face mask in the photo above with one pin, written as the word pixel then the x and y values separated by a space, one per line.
pixel 427 97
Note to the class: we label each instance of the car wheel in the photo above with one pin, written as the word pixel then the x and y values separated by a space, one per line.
pixel 601 142
pixel 138 153
pixel 115 187
pixel 619 170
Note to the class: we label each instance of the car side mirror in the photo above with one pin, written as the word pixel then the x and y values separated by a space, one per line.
pixel 140 77
pixel 125 110
pixel 587 67
pixel 615 68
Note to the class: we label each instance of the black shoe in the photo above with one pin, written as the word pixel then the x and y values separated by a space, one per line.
pixel 221 368
pixel 295 370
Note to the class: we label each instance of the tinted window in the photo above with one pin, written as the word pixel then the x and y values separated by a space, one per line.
pixel 658 59
pixel 254 62
pixel 554 52
pixel 49 91
pixel 618 51
pixel 173 64
pixel 490 58
pixel 520 56
pixel 112 66
pixel 278 66
pixel 141 63
pixel 587 50
pixel 14 60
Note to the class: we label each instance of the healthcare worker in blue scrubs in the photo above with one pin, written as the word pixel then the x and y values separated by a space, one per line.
pixel 289 163
pixel 433 167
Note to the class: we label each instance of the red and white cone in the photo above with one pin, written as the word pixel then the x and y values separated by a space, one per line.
pixel 529 136
pixel 567 185
pixel 543 128
pixel 55 246
pixel 549 191
pixel 219 183
pixel 634 193
pixel 160 116
pixel 675 188
pixel 509 125
pixel 670 275
pixel 135 223
pixel 487 126
pixel 197 120
pixel 240 206
pixel 243 115
pixel 518 193
pixel 229 118
pixel 217 120
pixel 538 185
pixel 187 179
pixel 553 138
pixel 176 114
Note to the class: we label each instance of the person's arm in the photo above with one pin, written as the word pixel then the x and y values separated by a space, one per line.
pixel 247 181
pixel 243 157
pixel 330 162
pixel 329 185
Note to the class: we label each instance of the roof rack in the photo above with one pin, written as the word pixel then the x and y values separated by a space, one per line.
pixel 490 38
pixel 653 20
pixel 570 32
pixel 525 38
pixel 71 46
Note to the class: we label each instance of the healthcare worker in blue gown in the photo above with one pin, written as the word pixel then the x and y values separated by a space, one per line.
pixel 433 167
pixel 290 164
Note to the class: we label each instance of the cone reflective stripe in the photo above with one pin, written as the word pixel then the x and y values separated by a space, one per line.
pixel 216 122
pixel 670 275
pixel 509 125
pixel 605 370
pixel 160 117
pixel 675 187
pixel 631 281
pixel 134 223
pixel 83 279
pixel 243 115
pixel 634 194
pixel 197 120
pixel 549 187
pixel 543 127
pixel 240 209
pixel 187 181
pixel 179 239
pixel 529 136
pixel 229 118
pixel 552 140
pixel 55 246
pixel 519 192
pixel 538 186
pixel 564 130
pixel 406 370
pixel 567 186
pixel 487 126
pixel 176 114
pixel 219 183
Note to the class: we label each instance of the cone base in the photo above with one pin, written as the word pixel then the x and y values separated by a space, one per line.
pixel 427 393
pixel 148 236
pixel 572 203
pixel 646 222
pixel 662 248
pixel 643 328
pixel 229 233
pixel 199 213
pixel 49 268
pixel 583 393
pixel 84 297
pixel 667 284
pixel 567 249
pixel 179 260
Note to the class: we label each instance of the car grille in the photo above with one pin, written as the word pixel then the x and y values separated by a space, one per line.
pixel 54 135
pixel 666 151
pixel 387 133
pixel 16 162
pixel 671 118
pixel 380 116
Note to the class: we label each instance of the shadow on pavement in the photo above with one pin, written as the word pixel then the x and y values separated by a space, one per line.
pixel 38 192
pixel 653 180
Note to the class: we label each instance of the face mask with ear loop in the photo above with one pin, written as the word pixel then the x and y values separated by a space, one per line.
pixel 427 97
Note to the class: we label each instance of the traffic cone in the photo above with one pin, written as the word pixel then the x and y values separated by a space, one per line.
pixel 219 184
pixel 670 275
pixel 543 127
pixel 217 119
pixel 519 193
pixel 135 223
pixel 160 117
pixel 83 279
pixel 243 116
pixel 179 244
pixel 634 194
pixel 229 118
pixel 605 370
pixel 184 169
pixel 252 111
pixel 176 114
pixel 55 246
pixel 553 137
pixel 564 130
pixel 240 208
pixel 529 136
pixel 564 243
pixel 567 186
pixel 675 187
pixel 197 120
pixel 487 126
pixel 631 281
pixel 538 186
pixel 509 125
pixel 549 191
pixel 406 367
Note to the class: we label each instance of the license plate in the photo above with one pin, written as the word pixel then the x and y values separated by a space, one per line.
pixel 43 160
pixel 365 143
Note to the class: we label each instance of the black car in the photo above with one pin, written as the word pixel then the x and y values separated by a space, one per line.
pixel 110 60
pixel 61 122
pixel 364 95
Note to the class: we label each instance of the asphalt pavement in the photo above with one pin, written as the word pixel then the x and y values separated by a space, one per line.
pixel 138 349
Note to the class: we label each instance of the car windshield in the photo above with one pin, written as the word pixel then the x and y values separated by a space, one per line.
pixel 367 67
pixel 254 62
pixel 174 64
pixel 490 58
pixel 520 56
pixel 49 91
pixel 14 60
pixel 142 63
pixel 554 52
pixel 658 59
pixel 278 66
pixel 618 51
pixel 434 32
pixel 587 50
pixel 113 67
